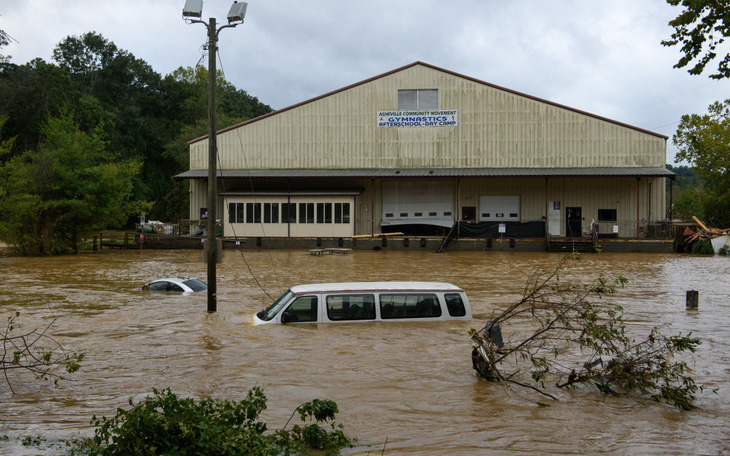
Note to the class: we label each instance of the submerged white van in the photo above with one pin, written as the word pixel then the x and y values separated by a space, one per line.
pixel 367 301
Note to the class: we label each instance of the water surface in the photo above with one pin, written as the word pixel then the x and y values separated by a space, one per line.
pixel 411 384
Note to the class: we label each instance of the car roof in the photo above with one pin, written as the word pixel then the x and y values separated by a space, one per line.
pixel 354 287
pixel 172 279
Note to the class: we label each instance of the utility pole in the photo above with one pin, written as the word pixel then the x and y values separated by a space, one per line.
pixel 212 250
pixel 192 13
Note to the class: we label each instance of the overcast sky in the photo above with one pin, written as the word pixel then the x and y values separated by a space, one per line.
pixel 603 57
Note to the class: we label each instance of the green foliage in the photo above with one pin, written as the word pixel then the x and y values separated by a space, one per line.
pixel 687 190
pixel 142 113
pixel 704 141
pixel 575 341
pixel 4 41
pixel 168 424
pixel 700 28
pixel 703 247
pixel 69 188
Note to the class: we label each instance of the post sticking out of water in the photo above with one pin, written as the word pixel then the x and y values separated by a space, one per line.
pixel 693 299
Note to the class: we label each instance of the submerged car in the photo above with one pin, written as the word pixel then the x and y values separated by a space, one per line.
pixel 180 284
pixel 367 301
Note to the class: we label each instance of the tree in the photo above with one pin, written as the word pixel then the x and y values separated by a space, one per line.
pixel 571 341
pixel 70 187
pixel 4 41
pixel 704 142
pixel 700 28
pixel 34 351
pixel 30 95
pixel 687 191
pixel 142 113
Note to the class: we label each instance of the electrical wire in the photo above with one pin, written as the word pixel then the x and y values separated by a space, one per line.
pixel 225 205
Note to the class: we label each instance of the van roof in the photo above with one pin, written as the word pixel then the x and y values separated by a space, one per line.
pixel 354 287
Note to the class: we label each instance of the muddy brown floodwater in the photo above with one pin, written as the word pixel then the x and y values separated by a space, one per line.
pixel 410 384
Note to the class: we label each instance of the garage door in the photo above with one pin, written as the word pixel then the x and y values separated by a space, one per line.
pixel 422 203
pixel 499 208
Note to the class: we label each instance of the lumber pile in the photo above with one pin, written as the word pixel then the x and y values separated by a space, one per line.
pixel 704 232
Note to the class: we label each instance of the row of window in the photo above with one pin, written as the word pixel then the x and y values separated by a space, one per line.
pixel 417 214
pixel 289 212
pixel 362 307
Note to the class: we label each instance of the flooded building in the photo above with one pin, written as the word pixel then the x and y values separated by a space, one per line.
pixel 419 148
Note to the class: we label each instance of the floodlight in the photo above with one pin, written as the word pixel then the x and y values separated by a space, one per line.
pixel 192 9
pixel 237 12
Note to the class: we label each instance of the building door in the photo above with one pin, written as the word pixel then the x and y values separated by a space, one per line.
pixel 573 222
pixel 469 214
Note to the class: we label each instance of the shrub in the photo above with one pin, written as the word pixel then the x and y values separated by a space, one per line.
pixel 167 424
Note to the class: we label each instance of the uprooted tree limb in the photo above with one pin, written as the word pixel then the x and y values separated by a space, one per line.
pixel 36 352
pixel 558 335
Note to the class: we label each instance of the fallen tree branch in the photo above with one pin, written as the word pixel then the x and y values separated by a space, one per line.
pixel 572 341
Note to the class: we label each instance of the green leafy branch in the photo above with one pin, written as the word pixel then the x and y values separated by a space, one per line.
pixel 168 424
pixel 572 341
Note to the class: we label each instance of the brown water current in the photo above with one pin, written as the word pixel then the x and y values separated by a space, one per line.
pixel 411 384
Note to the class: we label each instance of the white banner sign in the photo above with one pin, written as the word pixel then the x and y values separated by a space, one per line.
pixel 417 118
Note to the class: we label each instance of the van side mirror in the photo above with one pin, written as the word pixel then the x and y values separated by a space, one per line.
pixel 285 317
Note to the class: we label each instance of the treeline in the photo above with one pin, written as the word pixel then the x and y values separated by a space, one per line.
pixel 686 190
pixel 97 120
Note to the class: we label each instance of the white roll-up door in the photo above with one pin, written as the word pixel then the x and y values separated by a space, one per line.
pixel 414 202
pixel 499 208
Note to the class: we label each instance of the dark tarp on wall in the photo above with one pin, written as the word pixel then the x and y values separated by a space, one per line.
pixel 512 230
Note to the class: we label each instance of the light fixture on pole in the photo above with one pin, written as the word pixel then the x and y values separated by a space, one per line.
pixel 192 13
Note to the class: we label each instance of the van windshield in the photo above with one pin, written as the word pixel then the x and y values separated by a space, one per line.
pixel 271 311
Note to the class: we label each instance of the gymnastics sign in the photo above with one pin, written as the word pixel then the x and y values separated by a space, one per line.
pixel 417 118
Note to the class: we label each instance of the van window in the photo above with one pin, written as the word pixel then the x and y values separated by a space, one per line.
pixel 304 308
pixel 351 307
pixel 416 305
pixel 271 311
pixel 455 305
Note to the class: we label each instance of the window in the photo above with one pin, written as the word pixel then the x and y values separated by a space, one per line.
pixel 158 286
pixel 423 305
pixel 606 215
pixel 324 212
pixel 271 212
pixel 289 212
pixel 303 308
pixel 351 307
pixel 306 212
pixel 418 100
pixel 455 304
pixel 253 212
pixel 235 212
pixel 342 213
pixel 196 285
pixel 239 212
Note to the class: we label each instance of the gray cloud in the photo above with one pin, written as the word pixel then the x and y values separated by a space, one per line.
pixel 601 57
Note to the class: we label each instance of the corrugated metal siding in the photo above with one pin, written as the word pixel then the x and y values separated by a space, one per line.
pixel 588 194
pixel 497 129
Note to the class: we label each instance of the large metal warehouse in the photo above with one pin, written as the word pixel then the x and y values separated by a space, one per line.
pixel 419 148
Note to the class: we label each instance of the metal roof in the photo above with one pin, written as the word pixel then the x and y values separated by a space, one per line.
pixel 434 172
pixel 351 192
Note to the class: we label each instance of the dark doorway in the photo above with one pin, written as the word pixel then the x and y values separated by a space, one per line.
pixel 573 222
pixel 469 213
